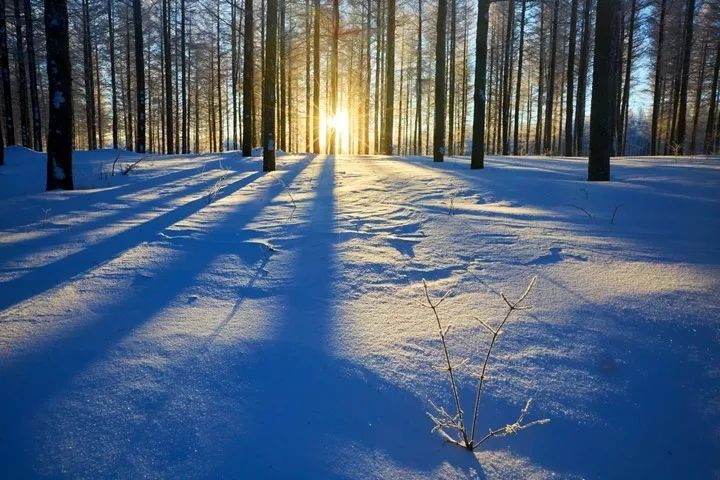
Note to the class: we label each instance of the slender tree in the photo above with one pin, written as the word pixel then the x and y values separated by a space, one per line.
pixel 5 74
pixel 570 82
pixel 550 98
pixel 578 134
pixel 439 131
pixel 139 76
pixel 60 113
pixel 269 83
pixel 710 127
pixel 685 74
pixel 477 158
pixel 32 74
pixel 516 117
pixel 113 84
pixel 22 79
pixel 316 77
pixel 248 80
pixel 334 73
pixel 387 143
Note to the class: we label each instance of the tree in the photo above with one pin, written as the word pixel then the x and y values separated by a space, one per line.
pixel 139 76
pixel 516 126
pixel 32 73
pixel 113 84
pixel 710 127
pixel 59 73
pixel 684 75
pixel 477 158
pixel 550 98
pixel 334 73
pixel 602 93
pixel 439 131
pixel 5 74
pixel 387 143
pixel 22 79
pixel 167 62
pixel 570 85
pixel 578 134
pixel 269 82
pixel 248 80
pixel 316 77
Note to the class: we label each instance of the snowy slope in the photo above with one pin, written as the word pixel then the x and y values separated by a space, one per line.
pixel 197 318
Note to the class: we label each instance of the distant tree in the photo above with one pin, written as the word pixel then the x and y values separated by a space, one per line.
pixel 710 127
pixel 578 134
pixel 316 77
pixel 550 98
pixel 59 73
pixel 167 63
pixel 334 73
pixel 113 80
pixel 685 74
pixel 521 51
pixel 570 83
pixel 269 83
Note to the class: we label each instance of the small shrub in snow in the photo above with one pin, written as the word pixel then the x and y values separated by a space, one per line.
pixel 453 426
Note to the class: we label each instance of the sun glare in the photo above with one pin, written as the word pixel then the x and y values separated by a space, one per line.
pixel 341 124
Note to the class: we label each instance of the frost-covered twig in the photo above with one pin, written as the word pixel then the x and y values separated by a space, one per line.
pixel 512 306
pixel 458 418
pixel 513 427
pixel 445 422
pixel 612 219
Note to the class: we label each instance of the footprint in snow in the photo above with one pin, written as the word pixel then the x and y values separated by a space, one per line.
pixel 556 255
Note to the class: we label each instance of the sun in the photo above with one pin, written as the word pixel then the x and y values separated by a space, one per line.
pixel 340 123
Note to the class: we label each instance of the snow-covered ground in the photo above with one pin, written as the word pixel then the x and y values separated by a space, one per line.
pixel 197 318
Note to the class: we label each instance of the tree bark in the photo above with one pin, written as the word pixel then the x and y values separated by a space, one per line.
pixel 316 77
pixel 477 157
pixel 387 133
pixel 685 74
pixel 516 126
pixel 248 80
pixel 550 98
pixel 22 79
pixel 5 74
pixel 269 83
pixel 579 133
pixel 439 128
pixel 570 82
pixel 32 73
pixel 60 113
pixel 710 126
pixel 139 76
pixel 602 93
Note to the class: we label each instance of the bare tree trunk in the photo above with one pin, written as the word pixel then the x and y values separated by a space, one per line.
pixel 570 85
pixel 22 79
pixel 221 133
pixel 541 83
pixel 248 80
pixel 602 94
pixel 578 136
pixel 316 77
pixel 60 131
pixel 658 79
pixel 139 77
pixel 477 157
pixel 5 74
pixel 625 108
pixel 507 76
pixel 113 84
pixel 698 96
pixel 550 99
pixel 685 74
pixel 269 81
pixel 710 126
pixel 32 73
pixel 451 83
pixel 417 135
pixel 516 126
pixel 334 72
pixel 439 131
pixel 387 142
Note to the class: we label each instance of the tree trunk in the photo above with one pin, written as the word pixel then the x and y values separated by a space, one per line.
pixel 710 126
pixel 316 77
pixel 387 143
pixel 269 83
pixel 139 77
pixel 22 79
pixel 685 74
pixel 477 158
pixel 334 73
pixel 451 83
pixel 507 76
pixel 183 82
pixel 113 84
pixel 516 126
pixel 698 97
pixel 248 80
pixel 32 73
pixel 541 83
pixel 417 135
pixel 60 127
pixel 550 98
pixel 602 93
pixel 439 131
pixel 625 108
pixel 169 134
pixel 570 85
pixel 5 74
pixel 579 133
pixel 658 79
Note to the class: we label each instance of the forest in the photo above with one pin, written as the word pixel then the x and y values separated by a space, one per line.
pixel 180 76
pixel 423 239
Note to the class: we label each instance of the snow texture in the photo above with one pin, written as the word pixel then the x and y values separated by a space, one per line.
pixel 274 332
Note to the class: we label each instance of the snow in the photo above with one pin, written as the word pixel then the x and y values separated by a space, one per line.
pixel 191 319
